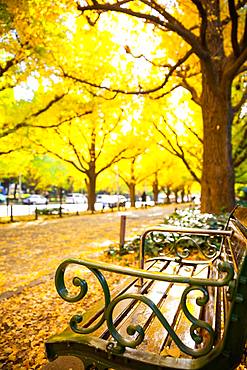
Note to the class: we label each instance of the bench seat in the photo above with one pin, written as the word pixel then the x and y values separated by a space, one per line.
pixel 171 313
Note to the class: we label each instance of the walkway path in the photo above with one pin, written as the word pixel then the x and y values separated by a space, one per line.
pixel 31 250
pixel 30 309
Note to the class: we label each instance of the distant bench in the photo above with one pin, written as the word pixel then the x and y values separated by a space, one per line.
pixel 48 211
pixel 185 309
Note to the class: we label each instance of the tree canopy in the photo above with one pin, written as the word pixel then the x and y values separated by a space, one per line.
pixel 83 81
pixel 210 53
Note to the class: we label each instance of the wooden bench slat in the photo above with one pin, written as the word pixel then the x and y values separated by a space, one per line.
pixel 123 307
pixel 170 308
pixel 183 324
pixel 142 314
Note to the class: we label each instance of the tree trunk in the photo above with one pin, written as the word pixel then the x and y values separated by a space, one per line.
pixel 168 193
pixel 176 195
pixel 91 173
pixel 60 195
pixel 132 183
pixel 182 195
pixel 188 194
pixel 155 188
pixel 91 187
pixel 218 173
pixel 217 185
pixel 132 191
pixel 70 182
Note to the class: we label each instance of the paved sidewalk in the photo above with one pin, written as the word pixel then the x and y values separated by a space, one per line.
pixel 30 251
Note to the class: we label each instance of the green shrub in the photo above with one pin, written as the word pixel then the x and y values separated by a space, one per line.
pixel 155 243
pixel 194 218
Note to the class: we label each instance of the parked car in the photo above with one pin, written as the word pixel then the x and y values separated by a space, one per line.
pixel 103 199
pixel 35 199
pixel 76 198
pixel 111 201
pixel 121 200
pixel 2 198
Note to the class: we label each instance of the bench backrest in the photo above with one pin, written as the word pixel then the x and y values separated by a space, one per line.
pixel 228 310
pixel 236 325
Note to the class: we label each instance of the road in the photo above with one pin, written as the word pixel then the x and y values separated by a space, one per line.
pixel 24 209
pixel 29 209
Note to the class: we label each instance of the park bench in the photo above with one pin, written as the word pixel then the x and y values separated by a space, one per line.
pixel 185 309
pixel 48 211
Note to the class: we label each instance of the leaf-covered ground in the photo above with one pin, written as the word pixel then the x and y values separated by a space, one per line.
pixel 30 309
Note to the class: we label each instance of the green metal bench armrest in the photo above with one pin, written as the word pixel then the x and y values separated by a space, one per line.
pixel 140 273
pixel 192 284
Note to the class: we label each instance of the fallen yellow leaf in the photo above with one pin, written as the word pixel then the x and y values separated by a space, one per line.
pixel 174 352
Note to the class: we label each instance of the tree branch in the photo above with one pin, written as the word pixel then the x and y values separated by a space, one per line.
pixel 7 66
pixel 50 104
pixel 116 158
pixel 2 152
pixel 174 25
pixel 168 22
pixel 235 65
pixel 60 123
pixel 76 153
pixel 7 86
pixel 234 30
pixel 83 170
pixel 165 93
pixel 134 92
pixel 242 101
pixel 8 131
pixel 203 26
pixel 107 133
pixel 244 39
pixel 174 151
pixel 240 4
pixel 192 90
pixel 194 133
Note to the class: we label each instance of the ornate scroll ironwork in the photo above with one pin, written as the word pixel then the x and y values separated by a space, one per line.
pixel 133 329
pixel 193 284
pixel 175 245
pixel 78 282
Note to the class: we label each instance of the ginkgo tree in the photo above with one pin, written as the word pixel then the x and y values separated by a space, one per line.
pixel 15 164
pixel 54 117
pixel 178 130
pixel 143 48
pixel 26 84
pixel 133 173
pixel 45 173
pixel 175 182
pixel 203 48
pixel 138 171
pixel 91 142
